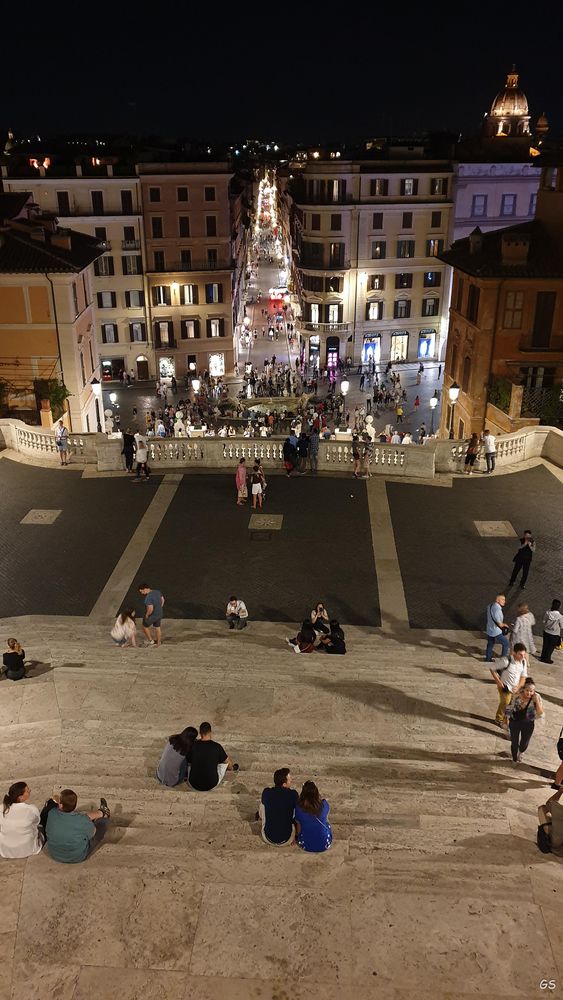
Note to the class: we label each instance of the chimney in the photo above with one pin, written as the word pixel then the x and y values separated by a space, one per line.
pixel 37 234
pixel 514 249
pixel 62 238
pixel 476 241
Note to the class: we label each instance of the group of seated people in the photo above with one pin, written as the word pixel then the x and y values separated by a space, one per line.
pixel 319 634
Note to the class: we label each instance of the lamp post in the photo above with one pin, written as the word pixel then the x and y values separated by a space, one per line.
pixel 433 405
pixel 344 386
pixel 453 393
pixel 97 390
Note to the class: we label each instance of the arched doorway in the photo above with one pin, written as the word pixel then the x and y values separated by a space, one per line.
pixel 142 368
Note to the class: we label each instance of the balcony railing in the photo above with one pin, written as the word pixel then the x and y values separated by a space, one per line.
pixel 178 266
pixel 130 244
pixel 528 342
pixel 309 265
pixel 327 327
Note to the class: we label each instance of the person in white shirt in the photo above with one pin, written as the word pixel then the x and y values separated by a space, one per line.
pixel 20 836
pixel 396 439
pixel 142 457
pixel 552 628
pixel 236 613
pixel 509 678
pixel 407 439
pixel 124 632
pixel 489 447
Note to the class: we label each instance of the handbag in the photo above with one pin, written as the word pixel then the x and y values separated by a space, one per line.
pixel 560 745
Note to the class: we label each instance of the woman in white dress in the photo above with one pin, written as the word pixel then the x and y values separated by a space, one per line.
pixel 20 835
pixel 522 628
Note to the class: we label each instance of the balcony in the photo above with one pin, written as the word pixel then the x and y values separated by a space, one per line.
pixel 130 244
pixel 180 267
pixel 327 327
pixel 529 343
pixel 309 265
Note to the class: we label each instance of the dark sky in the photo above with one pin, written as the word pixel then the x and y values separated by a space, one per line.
pixel 336 71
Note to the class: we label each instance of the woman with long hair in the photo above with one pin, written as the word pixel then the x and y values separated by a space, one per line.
pixel 124 632
pixel 311 820
pixel 522 628
pixel 304 641
pixel 173 765
pixel 525 707
pixel 471 453
pixel 13 661
pixel 20 836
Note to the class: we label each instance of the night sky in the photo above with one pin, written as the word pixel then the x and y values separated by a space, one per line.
pixel 341 72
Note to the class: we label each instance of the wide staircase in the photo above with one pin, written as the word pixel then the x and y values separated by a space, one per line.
pixel 433 886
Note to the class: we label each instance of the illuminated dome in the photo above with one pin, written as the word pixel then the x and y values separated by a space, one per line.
pixel 509 115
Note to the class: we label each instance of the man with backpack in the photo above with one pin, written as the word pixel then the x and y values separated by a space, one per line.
pixel 509 678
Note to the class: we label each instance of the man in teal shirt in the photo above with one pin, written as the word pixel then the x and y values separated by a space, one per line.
pixel 71 835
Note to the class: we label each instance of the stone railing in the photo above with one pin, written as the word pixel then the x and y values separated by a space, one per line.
pixel 531 442
pixel 40 444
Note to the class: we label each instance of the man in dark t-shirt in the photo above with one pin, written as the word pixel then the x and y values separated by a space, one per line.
pixel 209 762
pixel 277 808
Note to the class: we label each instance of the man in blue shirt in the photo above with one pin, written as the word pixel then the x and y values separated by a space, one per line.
pixel 152 617
pixel 277 809
pixel 496 629
pixel 71 835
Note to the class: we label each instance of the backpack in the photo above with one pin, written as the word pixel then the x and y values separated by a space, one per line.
pixel 543 839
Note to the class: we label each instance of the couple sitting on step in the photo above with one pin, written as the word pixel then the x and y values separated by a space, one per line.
pixel 289 818
pixel 70 835
pixel 198 760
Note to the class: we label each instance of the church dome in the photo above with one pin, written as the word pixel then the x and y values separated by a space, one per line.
pixel 510 102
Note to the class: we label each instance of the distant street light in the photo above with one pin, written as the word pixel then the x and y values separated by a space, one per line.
pixel 433 405
pixel 344 386
pixel 453 393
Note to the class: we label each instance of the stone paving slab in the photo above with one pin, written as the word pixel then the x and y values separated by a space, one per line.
pixel 450 573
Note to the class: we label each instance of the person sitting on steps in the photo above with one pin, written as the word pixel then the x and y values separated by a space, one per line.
pixel 236 614
pixel 177 754
pixel 72 836
pixel 209 761
pixel 277 810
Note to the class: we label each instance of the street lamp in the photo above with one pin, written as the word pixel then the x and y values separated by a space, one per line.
pixel 433 405
pixel 97 390
pixel 344 386
pixel 196 384
pixel 453 393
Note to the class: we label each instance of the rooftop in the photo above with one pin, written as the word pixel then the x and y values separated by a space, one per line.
pixel 544 259
pixel 36 245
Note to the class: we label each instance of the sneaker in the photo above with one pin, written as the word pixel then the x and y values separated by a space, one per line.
pixel 149 642
pixel 104 808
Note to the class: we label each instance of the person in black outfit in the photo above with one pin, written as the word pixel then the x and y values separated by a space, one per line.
pixel 277 810
pixel 523 559
pixel 334 642
pixel 13 661
pixel 209 762
pixel 128 449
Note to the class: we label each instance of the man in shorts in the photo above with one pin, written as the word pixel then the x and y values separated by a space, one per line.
pixel 152 617
pixel 61 441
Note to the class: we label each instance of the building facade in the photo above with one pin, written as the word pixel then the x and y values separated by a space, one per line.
pixel 366 238
pixel 47 334
pixel 506 316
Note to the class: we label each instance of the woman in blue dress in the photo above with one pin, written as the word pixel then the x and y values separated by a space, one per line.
pixel 311 815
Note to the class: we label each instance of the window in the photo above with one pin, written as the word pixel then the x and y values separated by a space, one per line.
pixel 405 248
pixel 209 194
pixel 439 185
pixel 154 194
pixel 336 258
pixel 378 248
pixel 403 280
pixel 473 303
pixel 430 307
pixel 432 279
pixel 137 332
pixel 189 295
pixel 109 333
pixel 313 283
pixel 217 365
pixel 103 266
pixel 100 232
pixel 508 204
pixel 63 203
pixel 434 247
pixel 213 292
pixel 378 187
pixel 159 262
pixel 333 311
pixel 189 329
pixel 459 295
pixel 215 327
pixel 374 310
pixel 314 307
pixel 332 284
pixel 212 257
pixel 336 223
pixel 161 295
pixel 186 259
pixel 465 378
pixel 129 234
pixel 82 372
pixel 436 220
pixel 537 377
pixel 377 220
pixel 532 205
pixel 426 343
pixel 163 333
pixel 127 202
pixel 106 300
pixel 479 206
pixel 409 186
pixel 513 306
pixel 316 222
pixel 402 309
pixel 184 225
pixel 407 220
pixel 97 202
pixel 543 319
pixel 181 194
pixel 313 252
pixel 210 225
pixel 132 264
pixel 156 227
pixel 134 299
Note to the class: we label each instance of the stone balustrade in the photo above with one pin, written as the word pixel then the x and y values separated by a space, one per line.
pixel 40 444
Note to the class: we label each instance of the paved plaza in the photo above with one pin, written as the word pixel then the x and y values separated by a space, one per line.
pixel 433 888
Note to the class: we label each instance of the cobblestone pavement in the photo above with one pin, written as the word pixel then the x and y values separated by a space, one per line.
pixel 450 573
